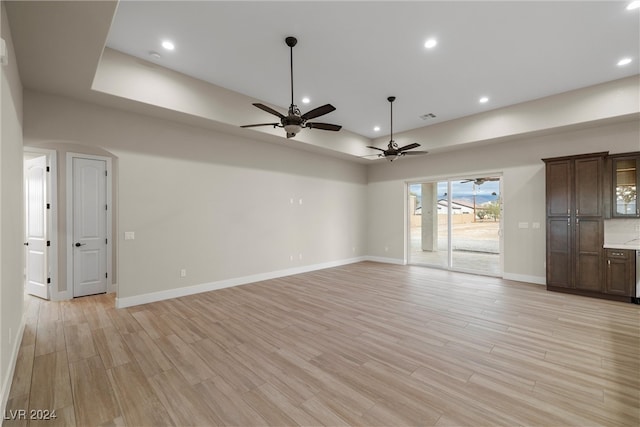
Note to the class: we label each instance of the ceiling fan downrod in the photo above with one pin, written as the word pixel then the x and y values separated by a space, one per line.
pixel 291 42
pixel 391 99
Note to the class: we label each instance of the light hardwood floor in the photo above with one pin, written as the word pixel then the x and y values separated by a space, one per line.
pixel 364 344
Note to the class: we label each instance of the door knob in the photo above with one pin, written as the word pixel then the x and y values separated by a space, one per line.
pixel 80 244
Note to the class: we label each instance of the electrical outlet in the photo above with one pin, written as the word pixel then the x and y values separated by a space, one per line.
pixel 183 272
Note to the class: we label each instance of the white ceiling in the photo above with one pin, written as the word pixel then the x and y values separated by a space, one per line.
pixel 356 54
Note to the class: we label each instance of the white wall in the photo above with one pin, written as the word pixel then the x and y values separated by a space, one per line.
pixel 11 215
pixel 214 204
pixel 523 188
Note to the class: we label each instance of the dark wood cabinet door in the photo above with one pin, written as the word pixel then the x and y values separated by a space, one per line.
pixel 589 254
pixel 559 188
pixel 620 272
pixel 559 262
pixel 588 186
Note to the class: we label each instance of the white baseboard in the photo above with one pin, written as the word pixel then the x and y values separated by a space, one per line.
pixel 386 260
pixel 221 284
pixel 6 384
pixel 237 281
pixel 525 278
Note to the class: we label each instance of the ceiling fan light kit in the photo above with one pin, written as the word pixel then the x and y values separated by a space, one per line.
pixel 295 121
pixel 394 152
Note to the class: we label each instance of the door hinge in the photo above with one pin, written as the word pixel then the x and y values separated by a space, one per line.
pixel 48 242
pixel 106 207
pixel 48 205
pixel 106 275
pixel 106 241
pixel 48 279
pixel 48 170
pixel 106 173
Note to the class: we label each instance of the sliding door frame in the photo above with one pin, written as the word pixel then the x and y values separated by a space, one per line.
pixel 450 180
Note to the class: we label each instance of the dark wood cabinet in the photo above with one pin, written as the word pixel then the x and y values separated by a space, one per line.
pixel 620 272
pixel 575 227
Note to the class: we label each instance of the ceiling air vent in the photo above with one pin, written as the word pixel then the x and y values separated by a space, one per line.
pixel 428 116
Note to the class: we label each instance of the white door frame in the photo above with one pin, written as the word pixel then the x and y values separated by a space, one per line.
pixel 69 186
pixel 52 218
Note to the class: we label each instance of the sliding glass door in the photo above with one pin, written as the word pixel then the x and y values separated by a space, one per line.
pixel 455 224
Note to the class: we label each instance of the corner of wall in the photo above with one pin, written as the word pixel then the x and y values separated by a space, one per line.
pixel 11 214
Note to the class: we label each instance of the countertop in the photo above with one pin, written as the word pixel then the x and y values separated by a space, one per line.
pixel 622 241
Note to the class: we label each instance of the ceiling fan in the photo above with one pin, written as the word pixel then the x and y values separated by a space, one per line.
pixel 480 181
pixel 393 151
pixel 295 121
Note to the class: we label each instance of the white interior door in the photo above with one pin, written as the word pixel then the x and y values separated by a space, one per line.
pixel 37 270
pixel 89 226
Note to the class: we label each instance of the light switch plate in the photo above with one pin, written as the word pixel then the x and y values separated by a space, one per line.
pixel 129 235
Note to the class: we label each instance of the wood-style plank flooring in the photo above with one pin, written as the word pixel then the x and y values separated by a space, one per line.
pixel 365 344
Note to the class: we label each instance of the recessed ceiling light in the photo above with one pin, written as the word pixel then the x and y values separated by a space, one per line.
pixel 376 128
pixel 633 5
pixel 168 45
pixel 430 43
pixel 483 100
pixel 306 100
pixel 624 61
